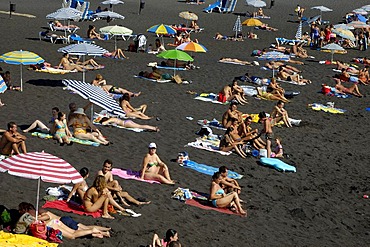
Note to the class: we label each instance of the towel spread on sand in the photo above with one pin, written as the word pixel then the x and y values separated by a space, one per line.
pixel 73 139
pixel 128 174
pixel 207 144
pixel 208 206
pixel 291 82
pixel 51 70
pixel 98 117
pixel 153 80
pixel 154 64
pixel 211 123
pixel 71 207
pixel 209 170
pixel 22 240
pixel 321 107
pixel 237 63
pixel 209 97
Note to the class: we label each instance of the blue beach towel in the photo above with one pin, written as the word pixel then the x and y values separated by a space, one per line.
pixel 278 164
pixel 209 170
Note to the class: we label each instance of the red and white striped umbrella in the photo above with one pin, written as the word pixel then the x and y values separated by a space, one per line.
pixel 41 166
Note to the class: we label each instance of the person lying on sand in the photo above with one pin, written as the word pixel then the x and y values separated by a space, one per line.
pixel 101 82
pixel 234 60
pixel 299 51
pixel 127 123
pixel 344 90
pixel 287 68
pixel 289 77
pixel 67 64
pixel 12 142
pixel 115 54
pixel 130 111
pixel 265 26
pixel 350 69
pixel 220 199
pixel 153 168
pixel 114 186
pixel 346 77
pixel 270 96
pixel 70 228
pixel 362 60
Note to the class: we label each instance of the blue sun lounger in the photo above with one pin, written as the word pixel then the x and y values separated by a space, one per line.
pixel 213 7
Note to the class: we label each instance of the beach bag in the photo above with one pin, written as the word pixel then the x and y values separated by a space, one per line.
pixel 54 235
pixel 221 98
pixel 38 229
pixel 23 223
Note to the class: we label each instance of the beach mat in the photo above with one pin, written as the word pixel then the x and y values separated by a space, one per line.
pixel 321 107
pixel 208 170
pixel 128 174
pixel 209 97
pixel 153 80
pixel 73 139
pixel 70 207
pixel 22 240
pixel 209 145
pixel 207 206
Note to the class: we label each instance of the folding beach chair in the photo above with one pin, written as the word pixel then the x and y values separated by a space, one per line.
pixel 228 6
pixel 283 41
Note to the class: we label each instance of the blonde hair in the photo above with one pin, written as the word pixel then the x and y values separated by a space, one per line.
pixel 98 77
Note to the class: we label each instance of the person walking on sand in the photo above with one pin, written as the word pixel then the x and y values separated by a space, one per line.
pixel 267 130
pixel 12 141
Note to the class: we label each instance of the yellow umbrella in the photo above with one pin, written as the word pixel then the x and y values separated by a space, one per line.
pixel 252 22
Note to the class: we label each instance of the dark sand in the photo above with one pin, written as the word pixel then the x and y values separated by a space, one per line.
pixel 320 205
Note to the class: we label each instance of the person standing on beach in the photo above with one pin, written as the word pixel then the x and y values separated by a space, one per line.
pixel 12 141
pixel 267 130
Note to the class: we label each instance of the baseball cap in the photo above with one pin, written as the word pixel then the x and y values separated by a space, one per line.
pixel 152 145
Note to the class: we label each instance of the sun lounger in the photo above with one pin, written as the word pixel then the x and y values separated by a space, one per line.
pixel 213 7
pixel 68 29
pixel 78 39
pixel 53 38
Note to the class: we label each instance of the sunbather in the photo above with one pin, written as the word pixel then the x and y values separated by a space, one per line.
pixel 81 123
pixel 153 168
pixel 279 113
pixel 257 142
pixel 231 113
pixel 9 83
pixel 277 64
pixel 100 82
pixel 237 90
pixel 362 60
pixel 298 50
pixel 62 133
pixel 228 144
pixel 228 95
pixel 92 34
pixel 234 60
pixel 79 189
pixel 270 96
pixel 228 184
pixel 115 54
pixel 12 142
pixel 265 26
pixel 222 200
pixel 348 68
pixel 289 77
pixel 127 123
pixel 131 111
pixel 259 13
pixel 171 235
pixel 59 24
pixel 159 47
pixel 67 64
pixel 41 126
pixel 344 90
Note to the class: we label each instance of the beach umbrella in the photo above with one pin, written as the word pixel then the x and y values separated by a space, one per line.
pixel 256 3
pixel 360 11
pixel 115 31
pixel 21 58
pixel 187 15
pixel 41 166
pixel 322 9
pixel 252 22
pixel 237 26
pixel 358 24
pixel 3 86
pixel 347 34
pixel 83 49
pixel 298 34
pixel 162 29
pixel 343 26
pixel 108 14
pixel 192 47
pixel 112 2
pixel 366 7
pixel 274 56
pixel 175 55
pixel 96 95
pixel 333 48
pixel 311 20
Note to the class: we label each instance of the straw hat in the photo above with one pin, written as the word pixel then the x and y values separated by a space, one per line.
pixel 79 111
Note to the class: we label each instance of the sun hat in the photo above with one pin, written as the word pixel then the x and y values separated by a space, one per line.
pixel 152 145
pixel 79 111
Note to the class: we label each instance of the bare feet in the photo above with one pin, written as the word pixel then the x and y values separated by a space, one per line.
pixel 97 235
pixel 144 203
pixel 137 94
pixel 107 216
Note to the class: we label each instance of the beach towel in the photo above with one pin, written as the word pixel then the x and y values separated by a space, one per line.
pixel 155 64
pixel 321 107
pixel 209 97
pixel 208 206
pixel 237 63
pixel 211 123
pixel 22 240
pixel 73 139
pixel 51 70
pixel 129 174
pixel 70 207
pixel 278 164
pixel 153 80
pixel 208 170
pixel 97 117
pixel 209 145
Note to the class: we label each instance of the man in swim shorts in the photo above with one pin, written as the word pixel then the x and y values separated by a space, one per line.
pixel 267 130
pixel 12 141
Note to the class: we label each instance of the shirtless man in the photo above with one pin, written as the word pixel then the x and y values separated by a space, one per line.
pixel 115 187
pixel 228 94
pixel 12 141
pixel 230 114
pixel 228 184
pixel 289 77
pixel 67 64
pixel 267 130
pixel 344 90
pixel 276 65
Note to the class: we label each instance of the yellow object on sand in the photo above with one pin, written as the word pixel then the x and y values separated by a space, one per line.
pixel 22 240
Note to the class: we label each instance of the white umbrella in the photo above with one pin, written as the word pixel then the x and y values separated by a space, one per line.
pixel 366 7
pixel 237 26
pixel 298 34
pixel 343 26
pixel 322 9
pixel 360 11
pixel 115 31
pixel 256 3
pixel 108 14
pixel 64 14
pixel 83 49
pixel 112 2
pixel 333 47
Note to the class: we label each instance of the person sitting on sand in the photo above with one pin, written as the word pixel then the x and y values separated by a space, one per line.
pixel 153 168
pixel 127 123
pixel 237 90
pixel 278 151
pixel 118 54
pixel 92 34
pixel 62 133
pixel 89 64
pixel 270 96
pixel 98 197
pixel 231 113
pixel 257 142
pixel 227 95
pixel 171 235
pixel 8 81
pixel 363 75
pixel 344 90
pixel 81 123
pixel 73 107
pixel 279 113
pixel 70 228
pixel 159 47
pixel 228 184
pixel 219 36
pixel 66 64
pixel 131 111
pixel 101 82
pixel 298 50
pixel 289 77
pixel 220 199
pixel 194 25
pixel 259 13
pixel 274 87
pixel 228 144
pixel 41 126
pixel 12 142
pixel 114 186
pixel 79 189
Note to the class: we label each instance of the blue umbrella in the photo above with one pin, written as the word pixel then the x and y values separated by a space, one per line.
pixel 3 86
pixel 274 56
pixel 361 18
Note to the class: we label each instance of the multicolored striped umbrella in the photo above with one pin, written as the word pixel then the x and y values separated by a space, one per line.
pixel 162 29
pixel 192 47
pixel 3 86
pixel 41 166
pixel 21 58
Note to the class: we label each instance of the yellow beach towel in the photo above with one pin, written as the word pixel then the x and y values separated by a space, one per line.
pixel 22 240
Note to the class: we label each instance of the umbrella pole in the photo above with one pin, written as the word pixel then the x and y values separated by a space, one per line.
pixel 83 72
pixel 92 112
pixel 38 197
pixel 174 68
pixel 332 56
pixel 115 42
pixel 21 80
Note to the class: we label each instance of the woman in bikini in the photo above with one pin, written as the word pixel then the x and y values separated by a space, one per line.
pixel 79 189
pixel 127 123
pixel 153 168
pixel 99 81
pixel 220 199
pixel 131 111
pixel 270 96
pixel 279 113
pixel 62 133
pixel 92 34
pixel 291 77
pixel 66 64
pixel 81 123
pixel 98 197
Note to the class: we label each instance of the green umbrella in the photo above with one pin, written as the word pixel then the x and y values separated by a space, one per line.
pixel 175 55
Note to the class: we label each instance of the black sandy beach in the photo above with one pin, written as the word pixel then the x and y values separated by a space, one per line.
pixel 320 205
